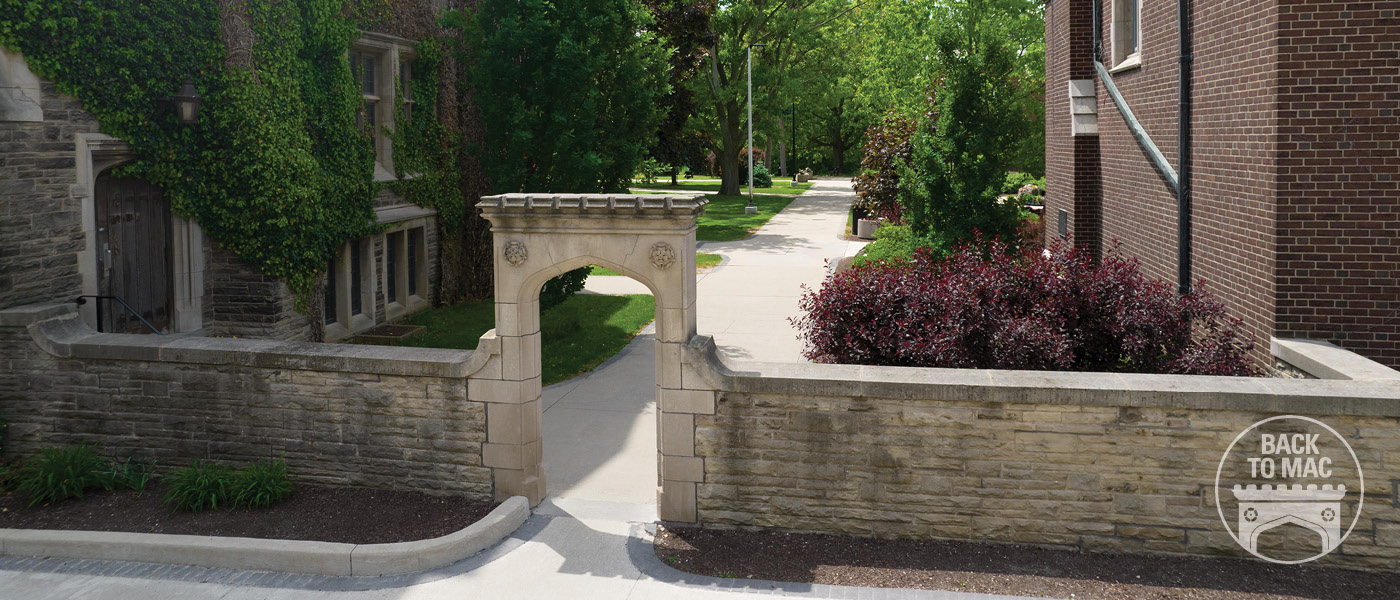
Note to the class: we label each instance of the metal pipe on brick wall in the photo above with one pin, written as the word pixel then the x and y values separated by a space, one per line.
pixel 1183 147
pixel 1178 179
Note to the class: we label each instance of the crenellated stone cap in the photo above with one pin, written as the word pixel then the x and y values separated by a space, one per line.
pixel 593 204
pixel 1285 492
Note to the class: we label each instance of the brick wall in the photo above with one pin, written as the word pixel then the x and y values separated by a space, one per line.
pixel 1339 175
pixel 1296 207
pixel 1072 162
pixel 1234 129
pixel 1084 461
pixel 341 415
pixel 40 212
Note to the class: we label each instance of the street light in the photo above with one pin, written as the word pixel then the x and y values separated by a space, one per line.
pixel 751 209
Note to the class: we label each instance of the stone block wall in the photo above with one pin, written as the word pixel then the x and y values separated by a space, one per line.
pixel 344 415
pixel 41 230
pixel 242 302
pixel 1099 462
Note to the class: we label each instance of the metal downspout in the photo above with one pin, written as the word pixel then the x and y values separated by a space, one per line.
pixel 1183 147
pixel 1180 183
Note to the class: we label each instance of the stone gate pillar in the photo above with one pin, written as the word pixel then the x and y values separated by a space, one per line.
pixel 650 238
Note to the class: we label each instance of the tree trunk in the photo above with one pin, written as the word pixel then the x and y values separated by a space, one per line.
pixel 782 159
pixel 729 151
pixel 674 170
pixel 838 143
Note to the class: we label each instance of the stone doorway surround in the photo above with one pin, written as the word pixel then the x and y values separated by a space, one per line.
pixel 650 238
pixel 95 153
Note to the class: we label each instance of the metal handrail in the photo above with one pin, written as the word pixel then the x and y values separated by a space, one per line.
pixel 81 300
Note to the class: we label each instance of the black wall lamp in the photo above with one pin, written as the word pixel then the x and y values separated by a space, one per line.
pixel 187 103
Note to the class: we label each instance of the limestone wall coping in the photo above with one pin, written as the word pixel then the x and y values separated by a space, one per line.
pixel 57 329
pixel 1324 360
pixel 1257 394
pixel 594 204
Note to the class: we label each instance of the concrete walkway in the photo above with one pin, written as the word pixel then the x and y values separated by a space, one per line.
pixel 589 538
pixel 745 302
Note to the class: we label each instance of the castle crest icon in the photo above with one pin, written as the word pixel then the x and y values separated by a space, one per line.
pixel 1265 507
pixel 1310 466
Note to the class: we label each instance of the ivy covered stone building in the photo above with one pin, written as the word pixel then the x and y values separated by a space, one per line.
pixel 88 208
pixel 1289 157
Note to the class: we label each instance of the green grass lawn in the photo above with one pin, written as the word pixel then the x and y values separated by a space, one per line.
pixel 578 335
pixel 702 261
pixel 780 186
pixel 725 220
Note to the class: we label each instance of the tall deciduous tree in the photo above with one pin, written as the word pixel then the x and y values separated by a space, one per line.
pixel 901 66
pixel 789 29
pixel 683 26
pixel 568 90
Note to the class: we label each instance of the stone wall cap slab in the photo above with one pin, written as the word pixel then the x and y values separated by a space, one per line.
pixel 1376 397
pixel 602 204
pixel 20 316
pixel 62 334
pixel 281 556
pixel 1325 360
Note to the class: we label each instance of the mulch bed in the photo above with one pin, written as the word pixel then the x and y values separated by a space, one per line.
pixel 1003 568
pixel 326 514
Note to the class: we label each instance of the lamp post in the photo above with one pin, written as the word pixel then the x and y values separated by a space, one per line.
pixel 751 209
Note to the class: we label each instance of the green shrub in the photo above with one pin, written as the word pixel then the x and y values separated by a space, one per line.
pixel 62 473
pixel 896 243
pixel 130 474
pixel 200 486
pixel 259 485
pixel 1015 180
pixel 761 177
pixel 562 287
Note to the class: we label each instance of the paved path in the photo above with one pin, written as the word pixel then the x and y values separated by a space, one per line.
pixel 589 538
pixel 745 302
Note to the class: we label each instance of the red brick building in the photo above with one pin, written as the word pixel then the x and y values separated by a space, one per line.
pixel 1292 210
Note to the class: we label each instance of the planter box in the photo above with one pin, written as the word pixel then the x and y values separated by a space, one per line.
pixel 803 178
pixel 865 228
pixel 387 335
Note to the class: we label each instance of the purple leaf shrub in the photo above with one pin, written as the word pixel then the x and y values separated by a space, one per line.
pixel 986 307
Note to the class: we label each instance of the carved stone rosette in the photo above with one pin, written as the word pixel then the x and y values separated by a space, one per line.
pixel 662 255
pixel 515 253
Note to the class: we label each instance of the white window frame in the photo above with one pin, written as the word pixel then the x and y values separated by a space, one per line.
pixel 1122 31
pixel 388 52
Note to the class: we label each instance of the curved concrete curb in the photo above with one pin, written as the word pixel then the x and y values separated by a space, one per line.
pixel 281 556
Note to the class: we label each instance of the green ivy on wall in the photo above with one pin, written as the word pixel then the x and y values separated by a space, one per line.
pixel 426 155
pixel 275 169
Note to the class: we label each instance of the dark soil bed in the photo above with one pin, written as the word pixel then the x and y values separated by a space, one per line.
pixel 1003 569
pixel 326 514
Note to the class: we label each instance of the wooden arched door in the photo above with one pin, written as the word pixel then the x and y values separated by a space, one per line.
pixel 133 254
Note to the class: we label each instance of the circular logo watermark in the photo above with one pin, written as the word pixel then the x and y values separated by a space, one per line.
pixel 1289 470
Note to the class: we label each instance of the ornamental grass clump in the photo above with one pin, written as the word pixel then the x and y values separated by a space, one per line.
pixel 987 307
pixel 201 486
pixel 260 485
pixel 62 473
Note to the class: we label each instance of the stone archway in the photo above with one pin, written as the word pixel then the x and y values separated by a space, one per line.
pixel 650 238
